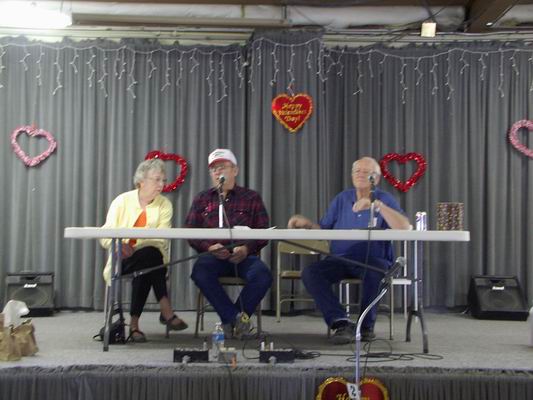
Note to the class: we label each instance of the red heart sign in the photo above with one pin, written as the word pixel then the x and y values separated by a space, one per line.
pixel 180 179
pixel 402 159
pixel 32 132
pixel 513 136
pixel 292 111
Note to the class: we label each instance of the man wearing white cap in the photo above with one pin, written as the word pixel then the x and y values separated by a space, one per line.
pixel 241 207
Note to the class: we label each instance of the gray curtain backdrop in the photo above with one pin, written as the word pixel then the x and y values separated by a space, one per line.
pixel 108 104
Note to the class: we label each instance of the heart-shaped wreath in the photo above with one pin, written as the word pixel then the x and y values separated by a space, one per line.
pixel 402 159
pixel 292 111
pixel 32 132
pixel 513 136
pixel 182 162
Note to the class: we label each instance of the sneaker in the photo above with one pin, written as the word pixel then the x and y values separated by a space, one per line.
pixel 243 325
pixel 344 334
pixel 367 335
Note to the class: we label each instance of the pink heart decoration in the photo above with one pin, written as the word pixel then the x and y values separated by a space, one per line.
pixel 513 136
pixel 32 132
pixel 402 159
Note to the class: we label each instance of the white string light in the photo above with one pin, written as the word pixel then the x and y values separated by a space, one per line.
pixel 151 65
pixel 433 72
pixel 222 80
pixel 208 79
pixel 419 73
pixel 103 77
pixel 292 78
pixel 447 76
pixel 92 70
pixel 39 76
pixel 180 69
pixel 309 57
pixel 23 60
pixel 500 84
pixel 167 72
pixel 2 66
pixel 513 64
pixel 58 74
pixel 131 77
pixel 369 62
pixel 483 66
pixel 194 61
pixel 73 61
pixel 464 63
pixel 276 66
pixel 402 81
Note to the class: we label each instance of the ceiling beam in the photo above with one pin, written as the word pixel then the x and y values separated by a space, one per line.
pixel 483 14
pixel 318 3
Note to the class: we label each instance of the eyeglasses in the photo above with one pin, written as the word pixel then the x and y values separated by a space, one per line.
pixel 158 180
pixel 221 167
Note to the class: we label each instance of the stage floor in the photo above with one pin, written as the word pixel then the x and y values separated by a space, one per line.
pixel 456 341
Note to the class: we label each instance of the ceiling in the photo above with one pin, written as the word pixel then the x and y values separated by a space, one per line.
pixel 477 16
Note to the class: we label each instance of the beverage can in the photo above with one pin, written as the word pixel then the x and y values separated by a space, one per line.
pixel 421 219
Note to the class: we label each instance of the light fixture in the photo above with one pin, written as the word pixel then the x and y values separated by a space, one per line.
pixel 17 14
pixel 429 29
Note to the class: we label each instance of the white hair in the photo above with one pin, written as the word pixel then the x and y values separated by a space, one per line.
pixel 144 167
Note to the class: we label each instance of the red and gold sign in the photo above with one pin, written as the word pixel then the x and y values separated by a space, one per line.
pixel 402 159
pixel 336 389
pixel 182 162
pixel 292 111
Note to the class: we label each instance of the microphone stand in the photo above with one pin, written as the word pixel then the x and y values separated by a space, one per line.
pixel 221 202
pixel 372 221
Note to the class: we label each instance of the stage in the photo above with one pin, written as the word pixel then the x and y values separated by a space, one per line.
pixel 467 359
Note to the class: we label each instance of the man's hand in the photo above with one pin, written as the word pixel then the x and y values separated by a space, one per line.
pixel 362 204
pixel 300 222
pixel 219 251
pixel 239 254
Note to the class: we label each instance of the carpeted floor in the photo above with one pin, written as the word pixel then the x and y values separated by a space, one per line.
pixel 455 341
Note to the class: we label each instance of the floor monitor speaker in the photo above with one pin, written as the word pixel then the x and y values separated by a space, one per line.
pixel 497 297
pixel 34 289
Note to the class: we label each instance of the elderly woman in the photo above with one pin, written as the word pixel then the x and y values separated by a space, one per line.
pixel 144 207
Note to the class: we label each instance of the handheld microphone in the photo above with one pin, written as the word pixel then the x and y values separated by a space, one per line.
pixel 398 264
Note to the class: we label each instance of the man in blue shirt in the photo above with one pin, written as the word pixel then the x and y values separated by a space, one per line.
pixel 351 209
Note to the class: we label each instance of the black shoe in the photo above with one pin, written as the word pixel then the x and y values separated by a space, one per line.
pixel 367 335
pixel 344 334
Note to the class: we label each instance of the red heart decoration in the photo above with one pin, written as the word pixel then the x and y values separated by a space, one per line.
pixel 402 159
pixel 513 136
pixel 292 111
pixel 32 132
pixel 182 162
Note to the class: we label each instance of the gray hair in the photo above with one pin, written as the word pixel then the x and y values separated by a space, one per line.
pixel 377 168
pixel 144 167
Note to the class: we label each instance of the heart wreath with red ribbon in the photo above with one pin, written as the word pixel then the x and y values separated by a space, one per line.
pixel 182 162
pixel 513 136
pixel 292 111
pixel 402 159
pixel 35 133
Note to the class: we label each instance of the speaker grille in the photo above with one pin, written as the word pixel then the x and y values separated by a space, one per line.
pixel 33 297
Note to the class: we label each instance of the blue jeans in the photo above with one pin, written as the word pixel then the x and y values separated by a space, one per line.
pixel 206 271
pixel 319 278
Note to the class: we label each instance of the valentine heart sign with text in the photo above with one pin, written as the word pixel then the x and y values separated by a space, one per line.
pixel 402 159
pixel 292 111
pixel 179 160
pixel 33 133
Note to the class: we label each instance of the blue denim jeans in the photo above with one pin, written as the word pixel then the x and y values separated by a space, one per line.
pixel 320 277
pixel 206 271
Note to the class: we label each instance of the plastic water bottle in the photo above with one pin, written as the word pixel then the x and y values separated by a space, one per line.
pixel 217 340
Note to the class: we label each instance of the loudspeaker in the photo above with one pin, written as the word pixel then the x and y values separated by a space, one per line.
pixel 497 297
pixel 34 289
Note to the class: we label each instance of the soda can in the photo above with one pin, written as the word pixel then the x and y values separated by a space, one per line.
pixel 421 218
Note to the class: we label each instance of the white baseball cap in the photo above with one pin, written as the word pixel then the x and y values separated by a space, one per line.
pixel 221 155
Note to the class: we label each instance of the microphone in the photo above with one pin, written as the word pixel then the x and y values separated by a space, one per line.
pixel 372 178
pixel 221 180
pixel 398 264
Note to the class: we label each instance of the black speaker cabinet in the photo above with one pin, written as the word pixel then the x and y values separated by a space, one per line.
pixel 34 289
pixel 497 297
